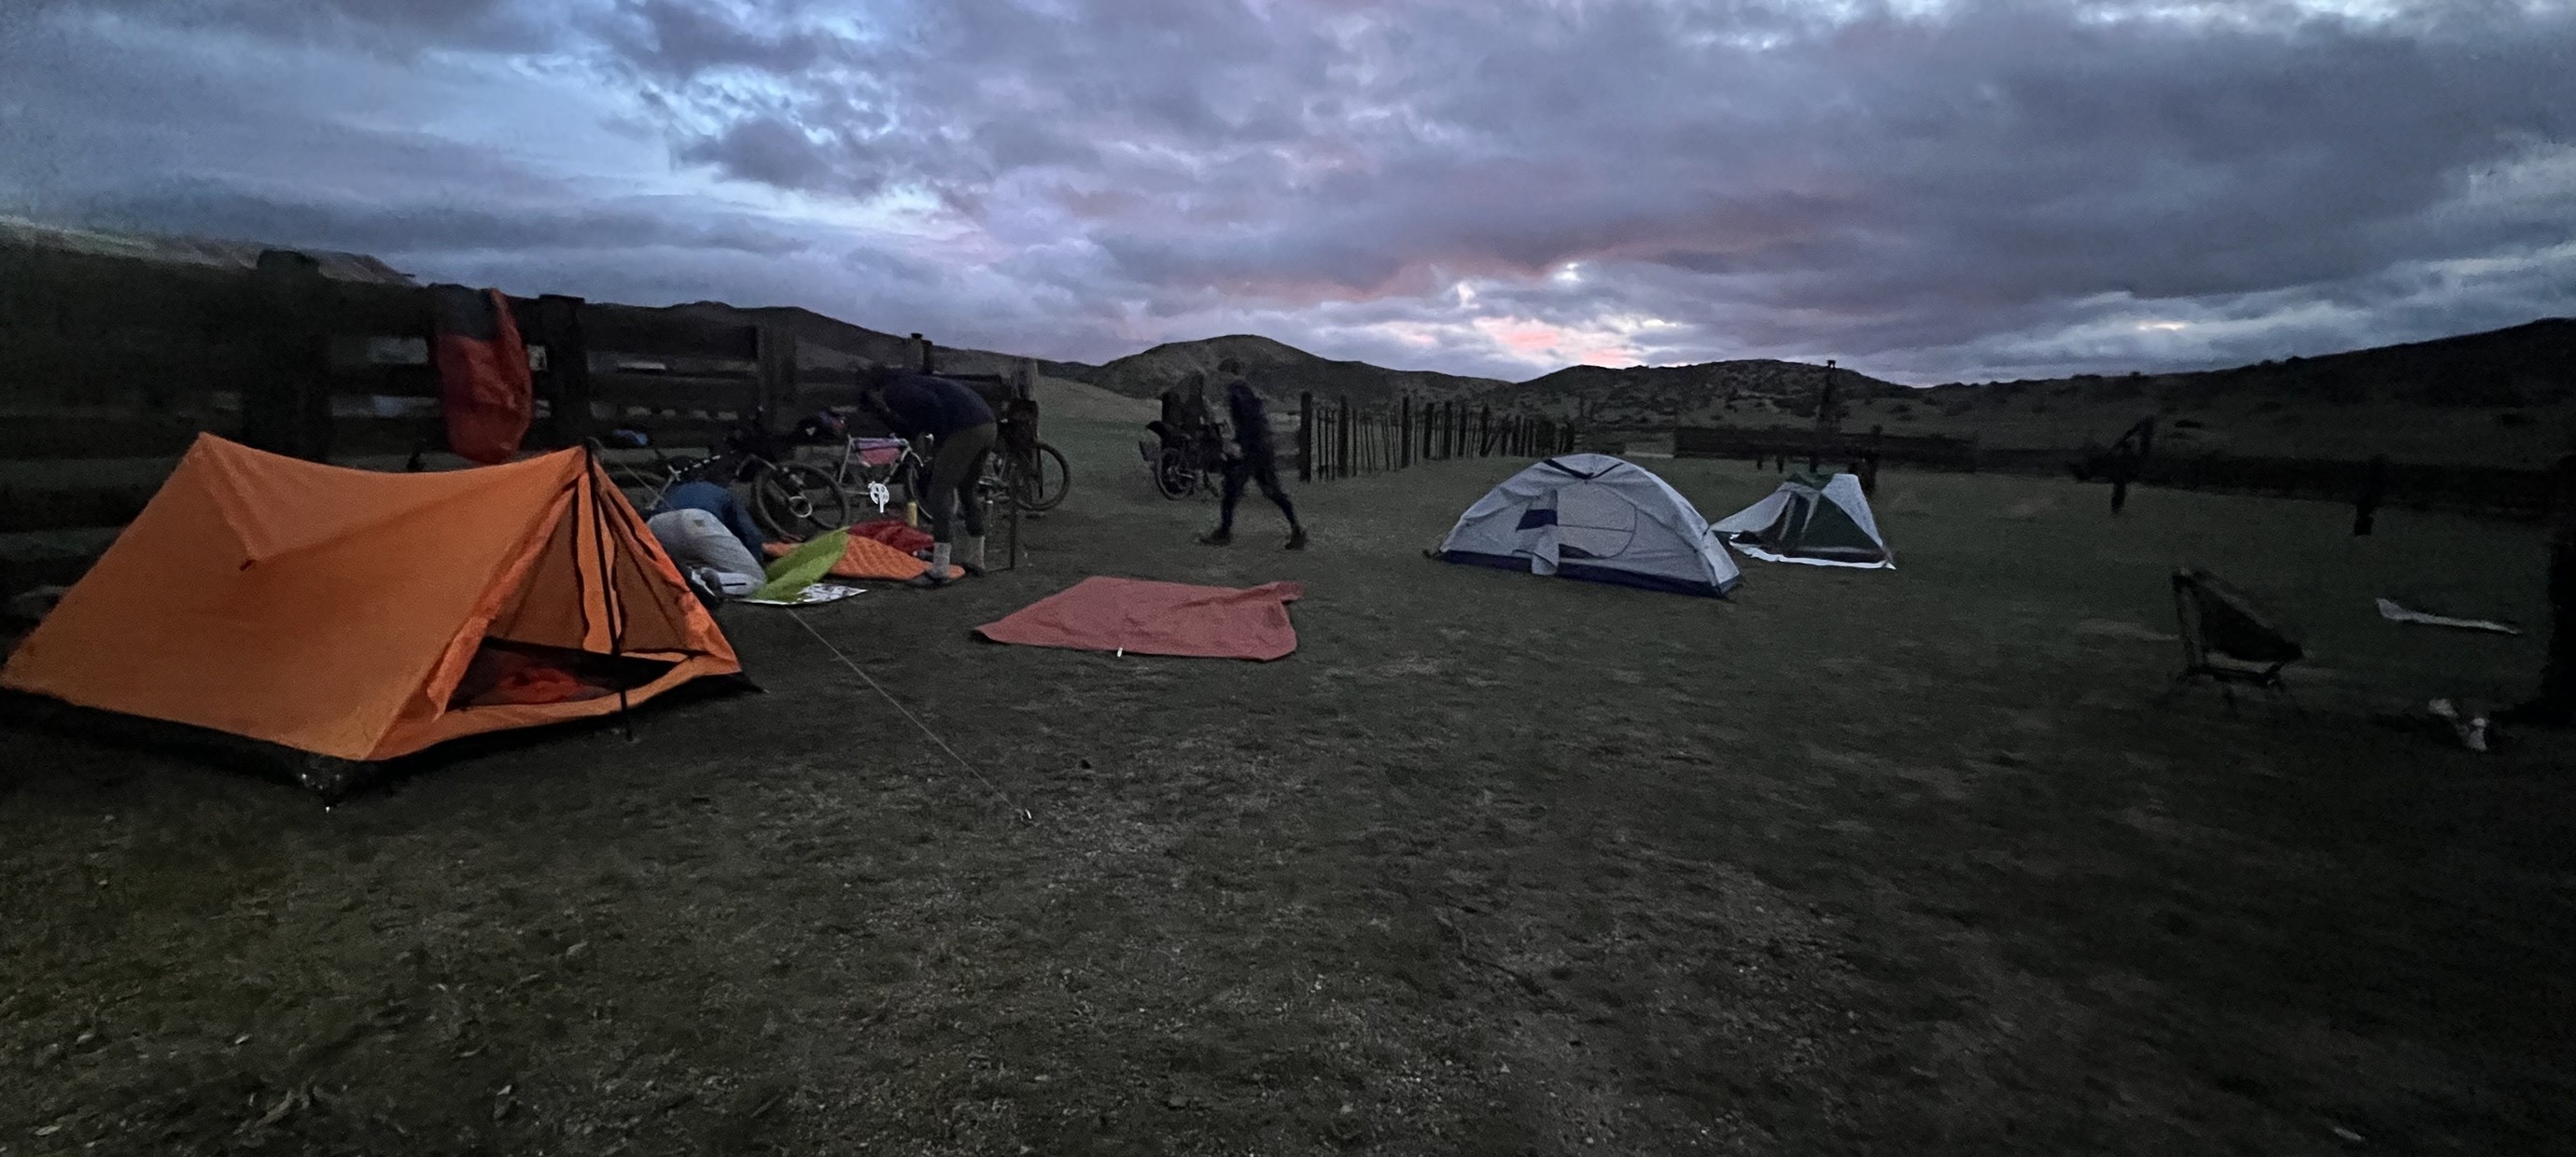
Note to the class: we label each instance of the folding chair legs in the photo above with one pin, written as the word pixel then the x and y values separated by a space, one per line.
pixel 2273 683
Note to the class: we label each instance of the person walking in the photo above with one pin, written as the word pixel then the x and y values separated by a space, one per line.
pixel 2555 705
pixel 2121 469
pixel 2374 490
pixel 962 431
pixel 1255 460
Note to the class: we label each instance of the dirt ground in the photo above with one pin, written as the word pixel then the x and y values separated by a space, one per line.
pixel 1908 862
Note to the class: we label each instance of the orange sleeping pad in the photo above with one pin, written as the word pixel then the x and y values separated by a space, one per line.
pixel 867 558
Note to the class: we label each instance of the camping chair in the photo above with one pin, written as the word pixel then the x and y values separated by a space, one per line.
pixel 2226 640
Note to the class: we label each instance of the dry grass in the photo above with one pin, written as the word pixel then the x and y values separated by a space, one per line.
pixel 1902 862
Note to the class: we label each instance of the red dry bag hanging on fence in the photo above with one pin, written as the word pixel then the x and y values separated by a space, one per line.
pixel 489 393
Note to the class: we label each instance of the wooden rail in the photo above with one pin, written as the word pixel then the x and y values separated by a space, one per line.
pixel 1334 440
pixel 111 366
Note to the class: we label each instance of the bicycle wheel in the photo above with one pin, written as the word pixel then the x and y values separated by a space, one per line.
pixel 798 501
pixel 1174 477
pixel 1041 480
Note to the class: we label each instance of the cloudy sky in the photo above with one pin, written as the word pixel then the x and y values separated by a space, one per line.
pixel 1926 190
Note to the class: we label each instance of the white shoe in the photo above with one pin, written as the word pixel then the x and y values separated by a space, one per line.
pixel 938 575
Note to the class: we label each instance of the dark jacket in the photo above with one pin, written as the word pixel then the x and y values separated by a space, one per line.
pixel 1251 419
pixel 2562 503
pixel 918 404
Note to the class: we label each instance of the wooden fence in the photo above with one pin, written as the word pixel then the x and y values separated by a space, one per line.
pixel 2505 492
pixel 2491 490
pixel 111 366
pixel 1336 441
pixel 1826 450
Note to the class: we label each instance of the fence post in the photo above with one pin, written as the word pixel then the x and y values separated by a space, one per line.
pixel 1484 431
pixel 1342 438
pixel 1306 437
pixel 921 353
pixel 286 408
pixel 776 351
pixel 1404 410
pixel 567 369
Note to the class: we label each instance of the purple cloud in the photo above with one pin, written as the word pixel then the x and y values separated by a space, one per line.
pixel 1983 188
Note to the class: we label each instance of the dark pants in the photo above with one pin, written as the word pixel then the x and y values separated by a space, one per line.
pixel 954 466
pixel 718 500
pixel 1261 468
pixel 2558 677
pixel 2555 706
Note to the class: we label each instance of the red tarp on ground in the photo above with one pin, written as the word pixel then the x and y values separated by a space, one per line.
pixel 1151 618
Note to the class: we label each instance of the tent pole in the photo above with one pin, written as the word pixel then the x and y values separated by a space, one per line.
pixel 607 583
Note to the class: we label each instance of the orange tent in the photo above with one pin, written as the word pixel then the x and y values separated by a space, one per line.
pixel 339 611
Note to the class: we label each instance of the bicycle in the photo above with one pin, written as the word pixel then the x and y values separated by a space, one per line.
pixel 1021 462
pixel 1182 465
pixel 878 480
pixel 788 501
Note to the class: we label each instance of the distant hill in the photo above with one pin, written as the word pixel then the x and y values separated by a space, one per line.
pixel 2502 398
pixel 1280 372
pixel 174 250
pixel 2498 398
pixel 1739 392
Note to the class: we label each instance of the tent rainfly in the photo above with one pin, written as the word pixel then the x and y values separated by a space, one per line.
pixel 1825 523
pixel 364 616
pixel 1594 517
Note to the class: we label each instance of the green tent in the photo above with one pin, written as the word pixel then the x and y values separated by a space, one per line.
pixel 1817 522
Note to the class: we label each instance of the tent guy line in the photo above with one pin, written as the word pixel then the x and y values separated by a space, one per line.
pixel 996 789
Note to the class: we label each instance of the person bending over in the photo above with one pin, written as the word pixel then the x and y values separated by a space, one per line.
pixel 1254 460
pixel 962 430
pixel 707 553
pixel 716 499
